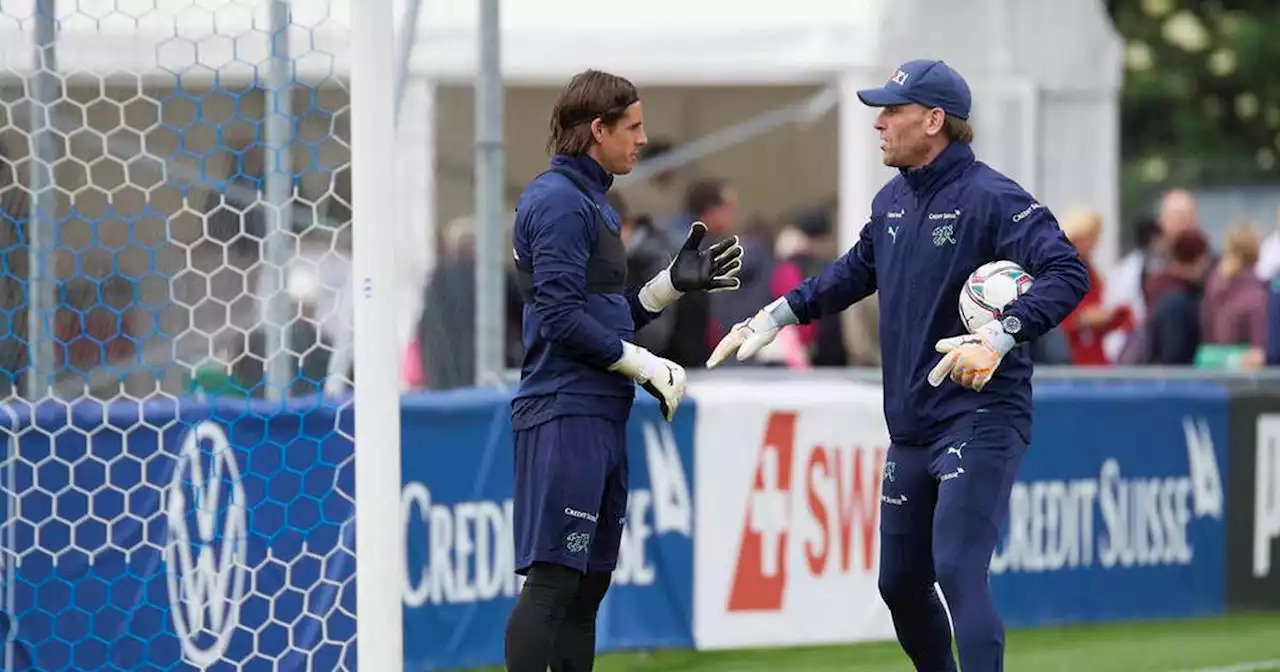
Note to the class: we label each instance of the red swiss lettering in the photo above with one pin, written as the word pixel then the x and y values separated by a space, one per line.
pixel 858 505
pixel 817 469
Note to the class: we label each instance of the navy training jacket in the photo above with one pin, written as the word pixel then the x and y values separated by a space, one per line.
pixel 571 335
pixel 929 229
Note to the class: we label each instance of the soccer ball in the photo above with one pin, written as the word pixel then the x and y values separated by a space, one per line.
pixel 988 290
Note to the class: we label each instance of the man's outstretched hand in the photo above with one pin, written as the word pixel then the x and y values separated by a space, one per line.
pixel 714 269
pixel 747 337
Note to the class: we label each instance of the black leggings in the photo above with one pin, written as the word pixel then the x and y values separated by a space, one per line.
pixel 554 620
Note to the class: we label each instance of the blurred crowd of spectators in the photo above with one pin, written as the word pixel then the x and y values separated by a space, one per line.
pixel 1173 299
pixel 1170 300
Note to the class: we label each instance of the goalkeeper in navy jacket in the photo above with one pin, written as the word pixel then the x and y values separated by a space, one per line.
pixel 580 369
pixel 955 444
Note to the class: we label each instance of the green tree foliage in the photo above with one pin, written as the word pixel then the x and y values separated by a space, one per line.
pixel 1201 101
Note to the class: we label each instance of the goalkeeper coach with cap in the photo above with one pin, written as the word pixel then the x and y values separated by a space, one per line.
pixel 955 445
pixel 580 370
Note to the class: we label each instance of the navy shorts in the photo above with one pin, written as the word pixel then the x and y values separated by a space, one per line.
pixel 570 493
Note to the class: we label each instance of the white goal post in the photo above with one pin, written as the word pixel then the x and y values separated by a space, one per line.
pixel 379 532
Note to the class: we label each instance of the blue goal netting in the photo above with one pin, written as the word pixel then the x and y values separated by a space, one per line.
pixel 175 250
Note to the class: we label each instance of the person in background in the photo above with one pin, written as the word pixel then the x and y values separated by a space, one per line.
pixel 1091 321
pixel 1051 349
pixel 1235 299
pixel 803 249
pixel 728 308
pixel 1124 288
pixel 445 334
pixel 1268 266
pixel 792 348
pixel 648 253
pixel 1272 353
pixel 1173 331
pixel 446 330
pixel 1178 213
pixel 712 201
pixel 1177 216
pixel 659 196
pixel 1268 270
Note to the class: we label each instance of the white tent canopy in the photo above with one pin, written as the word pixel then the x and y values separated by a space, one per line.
pixel 667 42
pixel 1060 45
pixel 1045 74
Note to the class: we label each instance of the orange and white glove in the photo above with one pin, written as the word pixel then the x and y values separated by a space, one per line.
pixel 971 360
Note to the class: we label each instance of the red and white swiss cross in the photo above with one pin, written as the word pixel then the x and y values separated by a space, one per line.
pixel 788 513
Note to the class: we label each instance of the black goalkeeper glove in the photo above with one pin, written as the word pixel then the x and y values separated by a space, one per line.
pixel 714 269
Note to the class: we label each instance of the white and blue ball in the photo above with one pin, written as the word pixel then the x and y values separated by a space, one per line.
pixel 989 289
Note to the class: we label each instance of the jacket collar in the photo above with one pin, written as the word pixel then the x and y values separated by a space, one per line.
pixel 953 160
pixel 587 168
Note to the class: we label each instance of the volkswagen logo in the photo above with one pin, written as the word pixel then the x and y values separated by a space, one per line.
pixel 205 566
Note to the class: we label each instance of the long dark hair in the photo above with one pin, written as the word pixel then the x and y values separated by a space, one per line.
pixel 590 95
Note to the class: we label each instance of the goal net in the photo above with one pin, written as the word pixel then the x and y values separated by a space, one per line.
pixel 176 288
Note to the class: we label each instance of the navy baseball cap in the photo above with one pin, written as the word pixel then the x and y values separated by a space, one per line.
pixel 924 82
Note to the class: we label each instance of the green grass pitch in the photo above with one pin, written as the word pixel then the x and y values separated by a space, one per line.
pixel 1203 645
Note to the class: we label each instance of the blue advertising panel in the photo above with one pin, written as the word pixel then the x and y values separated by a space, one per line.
pixel 650 604
pixel 184 534
pixel 461 584
pixel 181 534
pixel 173 535
pixel 1118 511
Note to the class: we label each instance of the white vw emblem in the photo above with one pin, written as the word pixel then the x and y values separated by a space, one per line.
pixel 205 595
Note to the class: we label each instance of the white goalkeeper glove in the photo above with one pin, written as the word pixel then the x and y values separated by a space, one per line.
pixel 747 337
pixel 714 269
pixel 971 360
pixel 662 378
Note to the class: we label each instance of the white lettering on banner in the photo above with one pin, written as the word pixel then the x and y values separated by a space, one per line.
pixel 1145 519
pixel 1266 493
pixel 672 505
pixel 667 497
pixel 833 486
pixel 1050 526
pixel 788 532
pixel 1206 481
pixel 836 505
pixel 1141 521
pixel 206 586
pixel 634 568
pixel 1051 523
pixel 469 556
